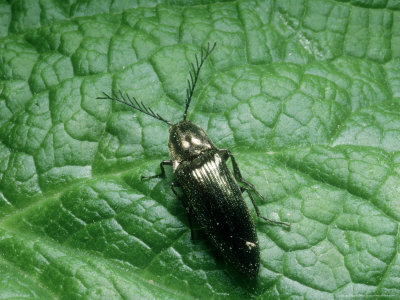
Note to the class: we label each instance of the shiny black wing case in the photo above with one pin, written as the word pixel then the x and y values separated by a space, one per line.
pixel 215 200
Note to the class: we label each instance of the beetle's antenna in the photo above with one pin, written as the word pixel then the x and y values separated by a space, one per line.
pixel 194 75
pixel 127 100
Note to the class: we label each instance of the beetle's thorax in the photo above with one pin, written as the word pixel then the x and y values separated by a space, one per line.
pixel 187 141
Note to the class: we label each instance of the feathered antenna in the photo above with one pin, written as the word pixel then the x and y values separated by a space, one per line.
pixel 194 75
pixel 127 100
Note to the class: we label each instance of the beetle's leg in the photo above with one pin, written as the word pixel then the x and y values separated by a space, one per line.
pixel 243 189
pixel 238 175
pixel 227 154
pixel 173 185
pixel 236 171
pixel 188 211
pixel 162 174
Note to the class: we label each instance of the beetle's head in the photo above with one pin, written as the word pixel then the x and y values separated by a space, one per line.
pixel 187 141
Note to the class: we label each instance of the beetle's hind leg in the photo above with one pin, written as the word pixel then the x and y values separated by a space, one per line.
pixel 173 185
pixel 236 171
pixel 238 175
pixel 187 208
pixel 243 189
pixel 162 174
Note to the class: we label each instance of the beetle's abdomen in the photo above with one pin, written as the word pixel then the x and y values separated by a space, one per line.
pixel 217 203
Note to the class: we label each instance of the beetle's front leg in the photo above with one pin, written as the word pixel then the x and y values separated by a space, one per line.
pixel 162 174
pixel 187 208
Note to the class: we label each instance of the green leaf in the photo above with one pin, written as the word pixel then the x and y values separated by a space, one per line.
pixel 304 93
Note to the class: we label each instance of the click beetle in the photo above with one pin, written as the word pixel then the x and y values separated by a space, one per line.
pixel 211 194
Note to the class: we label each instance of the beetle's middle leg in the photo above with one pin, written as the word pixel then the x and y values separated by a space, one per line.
pixel 162 174
pixel 187 208
pixel 245 189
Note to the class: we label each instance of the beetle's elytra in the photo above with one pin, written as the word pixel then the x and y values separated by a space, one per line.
pixel 211 194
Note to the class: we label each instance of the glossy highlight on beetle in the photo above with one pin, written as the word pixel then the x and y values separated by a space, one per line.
pixel 212 195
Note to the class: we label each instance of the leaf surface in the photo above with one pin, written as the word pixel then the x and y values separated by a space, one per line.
pixel 304 93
